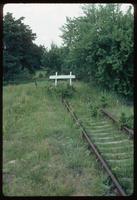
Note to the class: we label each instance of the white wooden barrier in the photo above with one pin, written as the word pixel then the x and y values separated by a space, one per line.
pixel 62 77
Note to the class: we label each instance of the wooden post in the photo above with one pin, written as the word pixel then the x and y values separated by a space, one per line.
pixel 35 82
pixel 70 79
pixel 56 80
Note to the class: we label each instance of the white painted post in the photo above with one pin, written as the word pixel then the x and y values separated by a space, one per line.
pixel 70 79
pixel 56 79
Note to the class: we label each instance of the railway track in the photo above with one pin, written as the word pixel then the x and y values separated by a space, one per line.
pixel 128 131
pixel 113 149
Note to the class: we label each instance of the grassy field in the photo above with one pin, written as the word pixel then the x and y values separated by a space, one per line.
pixel 43 153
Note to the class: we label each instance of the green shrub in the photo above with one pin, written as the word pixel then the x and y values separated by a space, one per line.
pixel 130 121
pixel 126 120
pixel 104 101
pixel 123 119
pixel 68 91
pixel 94 110
pixel 40 75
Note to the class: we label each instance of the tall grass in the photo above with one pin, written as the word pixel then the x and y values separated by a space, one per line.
pixel 43 154
pixel 108 138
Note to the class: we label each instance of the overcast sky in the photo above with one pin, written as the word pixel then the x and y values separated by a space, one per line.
pixel 45 19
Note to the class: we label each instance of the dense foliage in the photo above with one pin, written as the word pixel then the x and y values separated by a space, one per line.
pixel 20 53
pixel 100 45
pixel 52 59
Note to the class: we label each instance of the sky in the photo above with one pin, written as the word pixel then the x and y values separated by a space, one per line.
pixel 46 19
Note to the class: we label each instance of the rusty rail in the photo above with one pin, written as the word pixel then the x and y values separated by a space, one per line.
pixel 130 132
pixel 94 148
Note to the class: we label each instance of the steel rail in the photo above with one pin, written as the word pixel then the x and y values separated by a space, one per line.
pixel 94 148
pixel 130 132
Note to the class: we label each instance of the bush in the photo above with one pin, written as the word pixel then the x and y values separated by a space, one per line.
pixel 68 91
pixel 40 75
pixel 94 110
pixel 130 121
pixel 126 120
pixel 104 101
pixel 123 119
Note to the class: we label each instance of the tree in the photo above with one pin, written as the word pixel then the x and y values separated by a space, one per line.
pixel 52 59
pixel 20 52
pixel 100 46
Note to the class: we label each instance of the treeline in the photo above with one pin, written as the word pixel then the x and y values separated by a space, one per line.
pixel 97 46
